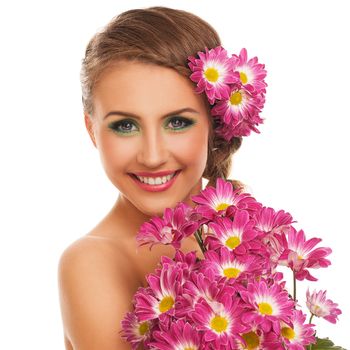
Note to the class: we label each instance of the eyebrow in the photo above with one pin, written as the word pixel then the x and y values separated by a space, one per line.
pixel 132 115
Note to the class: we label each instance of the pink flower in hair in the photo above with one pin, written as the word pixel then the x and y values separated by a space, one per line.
pixel 252 73
pixel 239 113
pixel 299 254
pixel 213 71
pixel 235 85
pixel 320 306
pixel 239 103
pixel 243 128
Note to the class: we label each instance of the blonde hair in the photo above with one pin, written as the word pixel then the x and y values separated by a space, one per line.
pixel 166 37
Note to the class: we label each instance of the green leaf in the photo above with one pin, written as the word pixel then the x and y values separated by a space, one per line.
pixel 325 344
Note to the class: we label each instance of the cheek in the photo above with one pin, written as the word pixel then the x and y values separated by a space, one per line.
pixel 114 152
pixel 192 149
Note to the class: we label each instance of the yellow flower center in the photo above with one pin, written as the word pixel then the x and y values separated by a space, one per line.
pixel 211 74
pixel 190 348
pixel 252 340
pixel 166 304
pixel 233 242
pixel 317 308
pixel 288 332
pixel 222 206
pixel 244 78
pixel 236 98
pixel 265 309
pixel 143 328
pixel 219 324
pixel 300 257
pixel 231 272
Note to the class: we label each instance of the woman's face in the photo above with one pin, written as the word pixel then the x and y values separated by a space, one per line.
pixel 148 118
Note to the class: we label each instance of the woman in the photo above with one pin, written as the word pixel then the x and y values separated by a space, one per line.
pixel 149 126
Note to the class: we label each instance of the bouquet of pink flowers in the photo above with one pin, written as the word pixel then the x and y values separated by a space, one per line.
pixel 234 298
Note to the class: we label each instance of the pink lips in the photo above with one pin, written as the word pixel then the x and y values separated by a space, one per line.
pixel 155 188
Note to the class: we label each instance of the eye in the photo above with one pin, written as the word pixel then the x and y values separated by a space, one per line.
pixel 122 126
pixel 180 123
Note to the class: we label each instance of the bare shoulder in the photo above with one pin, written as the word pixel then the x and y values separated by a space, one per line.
pixel 95 288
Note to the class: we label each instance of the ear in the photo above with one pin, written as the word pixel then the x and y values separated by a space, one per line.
pixel 90 128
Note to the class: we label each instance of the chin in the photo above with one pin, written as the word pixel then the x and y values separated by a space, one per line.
pixel 154 212
pixel 158 210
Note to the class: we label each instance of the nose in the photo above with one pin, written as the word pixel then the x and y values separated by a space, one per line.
pixel 153 152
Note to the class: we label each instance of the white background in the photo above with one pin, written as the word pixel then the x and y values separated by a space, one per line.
pixel 53 188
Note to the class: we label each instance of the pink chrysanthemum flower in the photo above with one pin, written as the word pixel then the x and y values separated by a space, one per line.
pixel 253 339
pixel 213 72
pixel 251 72
pixel 187 262
pixel 320 306
pixel 214 201
pixel 174 226
pixel 231 233
pixel 134 331
pixel 243 128
pixel 160 297
pixel 270 224
pixel 299 256
pixel 228 265
pixel 269 305
pixel 239 114
pixel 239 106
pixel 300 334
pixel 269 221
pixel 220 322
pixel 201 285
pixel 247 202
pixel 181 336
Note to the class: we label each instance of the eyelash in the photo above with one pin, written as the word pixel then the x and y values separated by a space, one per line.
pixel 115 125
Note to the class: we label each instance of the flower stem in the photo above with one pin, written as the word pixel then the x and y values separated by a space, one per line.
pixel 294 287
pixel 312 315
pixel 198 235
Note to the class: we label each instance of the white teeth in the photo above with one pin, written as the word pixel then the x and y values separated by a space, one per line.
pixel 155 180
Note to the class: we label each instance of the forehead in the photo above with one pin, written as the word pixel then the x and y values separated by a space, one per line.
pixel 144 88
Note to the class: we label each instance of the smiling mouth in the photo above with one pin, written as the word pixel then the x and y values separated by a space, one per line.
pixel 146 179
